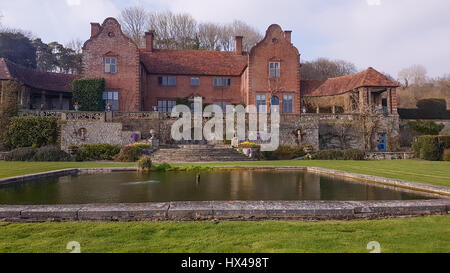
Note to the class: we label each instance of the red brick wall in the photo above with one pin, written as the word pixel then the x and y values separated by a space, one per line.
pixel 110 41
pixel 275 47
pixel 183 89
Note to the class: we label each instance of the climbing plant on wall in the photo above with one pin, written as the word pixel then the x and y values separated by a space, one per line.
pixel 8 107
pixel 88 94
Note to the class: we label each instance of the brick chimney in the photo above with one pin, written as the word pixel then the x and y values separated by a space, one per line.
pixel 95 29
pixel 238 45
pixel 287 35
pixel 149 37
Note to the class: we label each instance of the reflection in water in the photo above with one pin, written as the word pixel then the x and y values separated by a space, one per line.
pixel 133 187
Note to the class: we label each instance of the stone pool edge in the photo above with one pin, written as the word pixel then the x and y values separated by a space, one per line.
pixel 236 210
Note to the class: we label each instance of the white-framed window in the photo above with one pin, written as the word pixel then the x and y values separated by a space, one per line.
pixel 274 69
pixel 166 106
pixel 223 105
pixel 195 81
pixel 167 81
pixel 288 102
pixel 111 99
pixel 110 65
pixel 261 103
pixel 222 82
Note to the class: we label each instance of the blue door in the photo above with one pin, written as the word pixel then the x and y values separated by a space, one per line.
pixel 382 142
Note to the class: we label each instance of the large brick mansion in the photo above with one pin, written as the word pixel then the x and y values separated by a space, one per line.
pixel 150 79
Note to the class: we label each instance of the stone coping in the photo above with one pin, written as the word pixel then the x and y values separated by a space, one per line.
pixel 233 210
pixel 222 210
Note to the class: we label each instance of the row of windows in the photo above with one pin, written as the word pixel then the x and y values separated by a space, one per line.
pixel 172 81
pixel 111 67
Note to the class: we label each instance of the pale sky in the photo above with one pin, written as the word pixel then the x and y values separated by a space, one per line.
pixel 386 34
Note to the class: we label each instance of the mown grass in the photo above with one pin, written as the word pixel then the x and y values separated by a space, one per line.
pixel 429 234
pixel 435 173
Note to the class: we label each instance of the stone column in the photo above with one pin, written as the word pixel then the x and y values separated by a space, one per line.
pixel 60 101
pixel 43 103
pixel 369 100
pixel 389 101
pixel 333 109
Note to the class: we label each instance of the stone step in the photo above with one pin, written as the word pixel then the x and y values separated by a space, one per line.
pixel 198 153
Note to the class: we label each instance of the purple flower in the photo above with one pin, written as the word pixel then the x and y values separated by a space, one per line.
pixel 135 137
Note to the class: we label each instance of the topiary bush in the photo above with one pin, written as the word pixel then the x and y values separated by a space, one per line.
pixel 51 154
pixel 431 147
pixel 351 154
pixel 285 153
pixel 426 127
pixel 21 154
pixel 145 163
pixel 88 93
pixel 45 154
pixel 97 151
pixel 129 154
pixel 32 132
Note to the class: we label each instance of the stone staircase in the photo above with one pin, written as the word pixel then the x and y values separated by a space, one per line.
pixel 197 153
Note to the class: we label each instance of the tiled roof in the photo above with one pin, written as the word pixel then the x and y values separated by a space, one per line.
pixel 194 62
pixel 40 80
pixel 335 86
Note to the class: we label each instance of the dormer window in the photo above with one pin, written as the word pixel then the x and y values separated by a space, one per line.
pixel 110 65
pixel 274 70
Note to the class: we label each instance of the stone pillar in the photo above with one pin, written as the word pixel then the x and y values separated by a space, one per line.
pixel 61 101
pixel 389 101
pixel 43 102
pixel 318 110
pixel 333 109
pixel 369 100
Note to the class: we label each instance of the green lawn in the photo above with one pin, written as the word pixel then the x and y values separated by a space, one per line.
pixel 430 234
pixel 435 173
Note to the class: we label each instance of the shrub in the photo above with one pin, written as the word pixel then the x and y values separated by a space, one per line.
pixel 21 154
pixel 145 163
pixel 50 153
pixel 163 167
pixel 97 151
pixel 88 93
pixel 446 155
pixel 426 127
pixel 285 153
pixel 32 132
pixel 8 109
pixel 129 154
pixel 351 154
pixel 431 147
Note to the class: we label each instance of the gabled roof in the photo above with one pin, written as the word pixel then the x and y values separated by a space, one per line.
pixel 336 86
pixel 194 62
pixel 37 79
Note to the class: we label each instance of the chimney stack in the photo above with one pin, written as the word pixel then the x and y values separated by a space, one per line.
pixel 95 29
pixel 287 35
pixel 238 45
pixel 149 37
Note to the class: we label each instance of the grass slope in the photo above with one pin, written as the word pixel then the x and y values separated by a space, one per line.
pixel 430 234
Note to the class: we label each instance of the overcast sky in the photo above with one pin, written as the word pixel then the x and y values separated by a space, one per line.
pixel 385 34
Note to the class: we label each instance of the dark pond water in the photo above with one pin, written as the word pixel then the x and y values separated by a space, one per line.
pixel 132 187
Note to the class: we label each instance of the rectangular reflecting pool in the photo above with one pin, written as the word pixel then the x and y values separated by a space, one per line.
pixel 133 187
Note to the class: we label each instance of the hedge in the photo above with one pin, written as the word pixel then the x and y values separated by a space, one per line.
pixel 96 151
pixel 351 154
pixel 43 154
pixel 426 127
pixel 431 147
pixel 285 153
pixel 32 132
pixel 88 93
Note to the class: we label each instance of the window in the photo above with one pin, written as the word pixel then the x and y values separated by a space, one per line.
pixel 110 65
pixel 288 103
pixel 111 98
pixel 274 70
pixel 222 82
pixel 223 105
pixel 261 105
pixel 167 81
pixel 195 81
pixel 166 106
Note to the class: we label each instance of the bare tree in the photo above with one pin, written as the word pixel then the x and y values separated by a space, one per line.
pixel 209 36
pixel 323 68
pixel 415 74
pixel 76 45
pixel 251 35
pixel 174 31
pixel 134 21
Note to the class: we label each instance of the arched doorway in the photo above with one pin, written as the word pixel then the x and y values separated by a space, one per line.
pixel 275 103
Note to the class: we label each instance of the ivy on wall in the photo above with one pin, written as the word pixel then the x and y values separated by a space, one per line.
pixel 88 94
pixel 32 132
pixel 8 107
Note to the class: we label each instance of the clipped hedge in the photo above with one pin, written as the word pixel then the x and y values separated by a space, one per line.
pixel 88 93
pixel 351 154
pixel 285 153
pixel 431 147
pixel 96 151
pixel 426 127
pixel 43 154
pixel 32 132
